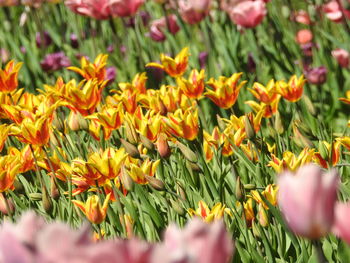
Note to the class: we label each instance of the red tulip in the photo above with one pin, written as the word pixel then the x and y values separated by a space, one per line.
pixel 193 11
pixel 342 56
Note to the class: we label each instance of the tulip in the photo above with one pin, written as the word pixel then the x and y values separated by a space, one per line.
pixel 333 11
pixel 302 17
pixel 98 9
pixel 74 42
pixel 341 223
pixel 175 67
pixel 194 86
pixel 203 211
pixel 43 39
pixel 202 59
pixel 55 61
pixel 264 94
pixel 225 91
pixel 90 70
pixel 193 11
pixel 158 26
pixel 342 56
pixel 316 76
pixel 347 99
pixel 8 77
pixel 293 90
pixel 248 14
pixel 123 8
pixel 304 36
pixel 307 200
pixel 92 208
pixel 198 242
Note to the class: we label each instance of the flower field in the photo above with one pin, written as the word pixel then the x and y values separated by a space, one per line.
pixel 189 131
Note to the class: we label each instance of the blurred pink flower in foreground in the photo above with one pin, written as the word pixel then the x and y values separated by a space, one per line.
pixel 248 14
pixel 342 56
pixel 193 11
pixel 160 25
pixel 307 200
pixel 341 224
pixel 32 240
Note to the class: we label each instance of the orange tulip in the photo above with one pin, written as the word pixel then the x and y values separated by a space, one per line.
pixel 174 67
pixel 347 99
pixel 293 90
pixel 194 86
pixel 225 91
pixel 9 167
pixel 266 94
pixel 92 208
pixel 96 70
pixel 8 77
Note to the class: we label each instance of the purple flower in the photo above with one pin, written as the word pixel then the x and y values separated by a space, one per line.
pixel 111 73
pixel 74 41
pixel 43 40
pixel 316 76
pixel 55 61
pixel 203 58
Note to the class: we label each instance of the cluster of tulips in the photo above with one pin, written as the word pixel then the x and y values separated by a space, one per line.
pixel 135 130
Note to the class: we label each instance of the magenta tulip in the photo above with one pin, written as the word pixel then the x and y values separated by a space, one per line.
pixel 248 14
pixel 307 200
pixel 342 56
pixel 193 11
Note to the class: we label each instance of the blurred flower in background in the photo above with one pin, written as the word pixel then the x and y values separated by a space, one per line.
pixel 342 56
pixel 160 25
pixel 248 14
pixel 193 11
pixel 43 39
pixel 317 75
pixel 55 61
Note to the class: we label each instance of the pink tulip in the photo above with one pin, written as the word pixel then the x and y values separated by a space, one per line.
pixel 248 14
pixel 304 36
pixel 333 11
pixel 98 9
pixel 193 11
pixel 341 224
pixel 307 200
pixel 342 56
pixel 124 8
pixel 160 25
pixel 302 17
pixel 198 242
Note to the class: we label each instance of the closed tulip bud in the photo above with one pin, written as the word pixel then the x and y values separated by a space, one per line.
pixel 307 200
pixel 249 128
pixel 187 152
pixel 221 123
pixel 76 122
pixel 163 146
pixel 256 230
pixel 131 133
pixel 195 167
pixel 278 123
pixel 262 216
pixel 250 186
pixel 18 187
pixel 35 196
pixel 58 123
pixel 180 191
pixel 47 202
pixel 309 105
pixel 146 142
pixel 7 207
pixel 178 208
pixel 126 180
pixel 239 190
pixel 323 150
pixel 55 193
pixel 155 183
pixel 130 149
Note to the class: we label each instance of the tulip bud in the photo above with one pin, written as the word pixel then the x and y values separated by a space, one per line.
pixel 126 180
pixel 55 193
pixel 130 149
pixel 278 123
pixel 155 183
pixel 180 191
pixel 323 150
pixel 47 202
pixel 18 186
pixel 76 122
pixel 256 230
pixel 163 146
pixel 7 207
pixel 58 123
pixel 239 190
pixel 221 123
pixel 146 142
pixel 250 186
pixel 187 152
pixel 262 216
pixel 131 134
pixel 249 130
pixel 35 196
pixel 74 41
pixel 178 208
pixel 309 105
